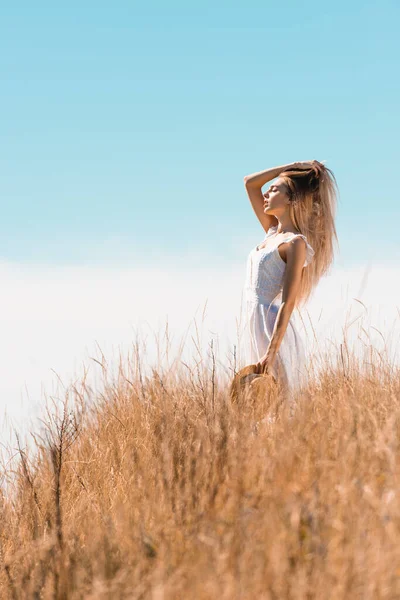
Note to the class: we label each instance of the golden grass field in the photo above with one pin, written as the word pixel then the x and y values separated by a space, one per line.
pixel 160 487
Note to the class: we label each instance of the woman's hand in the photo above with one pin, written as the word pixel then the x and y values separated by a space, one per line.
pixel 264 365
pixel 307 164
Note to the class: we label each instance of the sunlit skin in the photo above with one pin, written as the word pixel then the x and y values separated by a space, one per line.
pixel 276 202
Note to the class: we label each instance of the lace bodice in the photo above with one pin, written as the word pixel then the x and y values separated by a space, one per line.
pixel 265 268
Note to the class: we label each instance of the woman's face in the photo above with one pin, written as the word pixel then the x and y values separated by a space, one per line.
pixel 276 199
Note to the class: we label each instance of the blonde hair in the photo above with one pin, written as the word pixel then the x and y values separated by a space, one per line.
pixel 313 194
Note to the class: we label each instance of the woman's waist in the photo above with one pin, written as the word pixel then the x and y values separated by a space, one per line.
pixel 263 296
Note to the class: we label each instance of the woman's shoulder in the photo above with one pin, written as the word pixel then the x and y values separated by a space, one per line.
pixel 309 249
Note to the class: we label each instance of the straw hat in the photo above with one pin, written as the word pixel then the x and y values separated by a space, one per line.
pixel 250 384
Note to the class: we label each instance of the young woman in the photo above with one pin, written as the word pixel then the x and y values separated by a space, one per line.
pixel 297 214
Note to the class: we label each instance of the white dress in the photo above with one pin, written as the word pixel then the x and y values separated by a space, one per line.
pixel 262 297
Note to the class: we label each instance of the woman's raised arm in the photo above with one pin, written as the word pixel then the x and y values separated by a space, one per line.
pixel 262 177
pixel 253 184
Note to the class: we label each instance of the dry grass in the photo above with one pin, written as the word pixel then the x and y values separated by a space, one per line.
pixel 161 488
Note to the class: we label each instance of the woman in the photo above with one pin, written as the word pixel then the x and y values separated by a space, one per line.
pixel 297 214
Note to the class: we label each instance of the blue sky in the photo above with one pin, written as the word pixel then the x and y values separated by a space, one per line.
pixel 126 131
pixel 128 127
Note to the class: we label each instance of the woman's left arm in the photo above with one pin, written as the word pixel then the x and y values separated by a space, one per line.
pixel 295 259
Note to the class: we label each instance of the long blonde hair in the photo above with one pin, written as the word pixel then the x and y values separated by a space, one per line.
pixel 313 194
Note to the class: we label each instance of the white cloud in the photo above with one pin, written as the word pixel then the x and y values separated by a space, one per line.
pixel 52 318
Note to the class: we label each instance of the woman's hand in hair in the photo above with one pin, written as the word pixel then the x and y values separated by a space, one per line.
pixel 306 164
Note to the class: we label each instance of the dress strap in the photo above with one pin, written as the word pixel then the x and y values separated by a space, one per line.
pixel 270 231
